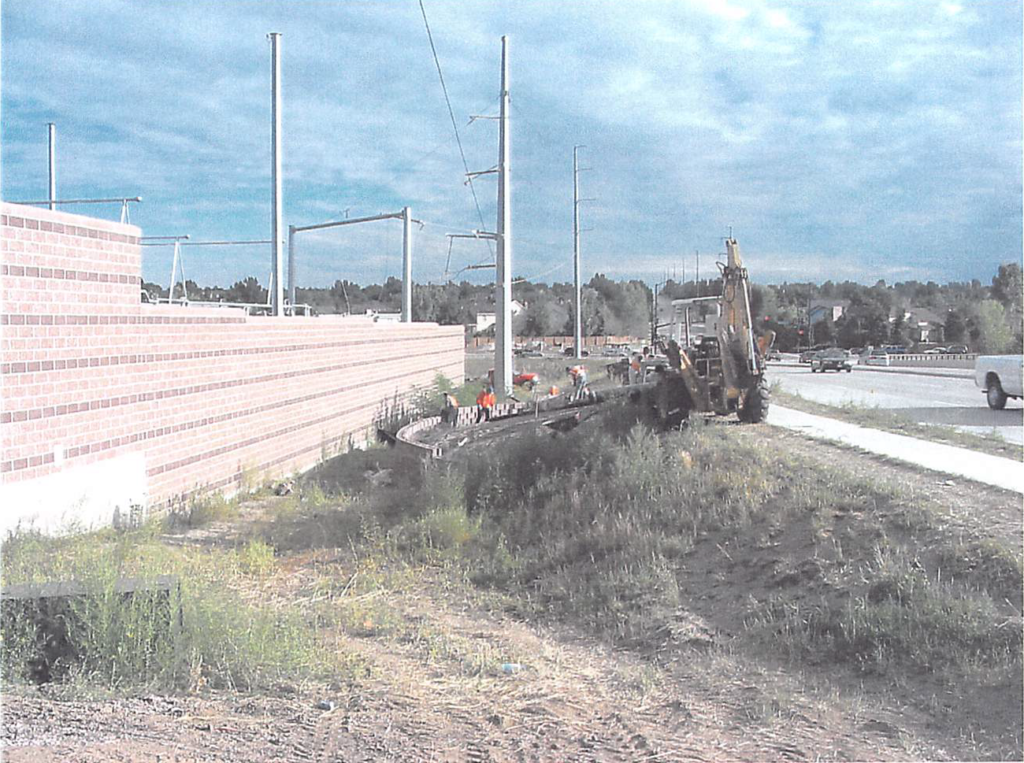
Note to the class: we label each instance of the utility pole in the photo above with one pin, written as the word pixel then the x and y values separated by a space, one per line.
pixel 406 265
pixel 578 294
pixel 277 293
pixel 291 267
pixel 654 316
pixel 503 285
pixel 697 252
pixel 52 130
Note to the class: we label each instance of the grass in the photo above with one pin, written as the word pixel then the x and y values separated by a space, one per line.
pixel 904 619
pixel 892 421
pixel 206 632
pixel 610 528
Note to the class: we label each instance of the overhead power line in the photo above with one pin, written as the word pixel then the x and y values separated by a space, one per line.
pixel 451 114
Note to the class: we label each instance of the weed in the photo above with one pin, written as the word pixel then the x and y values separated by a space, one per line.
pixel 986 566
pixel 905 617
pixel 256 558
pixel 200 511
pixel 199 633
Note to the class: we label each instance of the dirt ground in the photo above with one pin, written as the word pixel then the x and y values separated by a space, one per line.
pixel 439 691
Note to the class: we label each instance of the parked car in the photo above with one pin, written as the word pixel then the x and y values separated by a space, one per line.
pixel 935 351
pixel 831 360
pixel 957 349
pixel 527 379
pixel 877 358
pixel 806 355
pixel 999 377
pixel 774 355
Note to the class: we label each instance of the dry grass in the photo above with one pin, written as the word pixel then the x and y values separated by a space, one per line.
pixel 892 421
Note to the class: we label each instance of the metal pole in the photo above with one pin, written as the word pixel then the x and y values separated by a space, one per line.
pixel 291 265
pixel 277 297
pixel 654 316
pixel 174 271
pixel 406 265
pixel 578 323
pixel 503 287
pixel 697 252
pixel 53 164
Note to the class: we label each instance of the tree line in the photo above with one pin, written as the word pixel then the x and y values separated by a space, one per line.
pixel 987 318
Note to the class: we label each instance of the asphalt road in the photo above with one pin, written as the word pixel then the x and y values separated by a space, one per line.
pixel 950 400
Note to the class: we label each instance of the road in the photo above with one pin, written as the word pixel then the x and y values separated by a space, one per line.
pixel 928 399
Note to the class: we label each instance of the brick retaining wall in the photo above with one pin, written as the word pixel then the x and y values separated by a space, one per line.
pixel 163 401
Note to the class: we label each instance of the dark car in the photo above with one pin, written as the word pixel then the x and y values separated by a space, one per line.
pixel 957 349
pixel 831 360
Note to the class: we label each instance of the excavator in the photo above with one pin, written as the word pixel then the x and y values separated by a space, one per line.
pixel 724 372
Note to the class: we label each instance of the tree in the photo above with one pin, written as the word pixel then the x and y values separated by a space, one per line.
pixel 1007 285
pixel 990 332
pixel 824 331
pixel 955 327
pixel 898 332
pixel 545 317
pixel 248 291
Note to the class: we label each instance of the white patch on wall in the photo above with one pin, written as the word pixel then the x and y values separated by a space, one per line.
pixel 108 492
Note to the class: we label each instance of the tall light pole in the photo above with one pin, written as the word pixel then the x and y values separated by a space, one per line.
pixel 503 285
pixel 291 267
pixel 277 261
pixel 406 265
pixel 578 294
pixel 52 130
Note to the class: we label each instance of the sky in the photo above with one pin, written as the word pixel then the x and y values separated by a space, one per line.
pixel 857 140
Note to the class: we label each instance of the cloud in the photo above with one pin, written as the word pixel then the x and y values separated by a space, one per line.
pixel 871 136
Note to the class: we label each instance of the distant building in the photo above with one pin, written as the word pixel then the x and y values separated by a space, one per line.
pixel 379 317
pixel 828 310
pixel 924 325
pixel 485 320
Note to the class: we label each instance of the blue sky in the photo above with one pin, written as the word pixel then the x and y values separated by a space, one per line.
pixel 847 140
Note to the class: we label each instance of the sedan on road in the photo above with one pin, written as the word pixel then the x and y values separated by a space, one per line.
pixel 877 358
pixel 831 360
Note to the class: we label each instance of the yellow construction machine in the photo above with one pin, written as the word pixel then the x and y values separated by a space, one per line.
pixel 724 372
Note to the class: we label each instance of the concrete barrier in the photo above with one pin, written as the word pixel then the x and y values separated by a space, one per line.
pixel 921 360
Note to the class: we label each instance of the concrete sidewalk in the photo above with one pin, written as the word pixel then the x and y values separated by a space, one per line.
pixel 980 467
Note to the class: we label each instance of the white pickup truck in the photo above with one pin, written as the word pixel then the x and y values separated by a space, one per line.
pixel 999 377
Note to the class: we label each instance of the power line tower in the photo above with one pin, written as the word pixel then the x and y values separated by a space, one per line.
pixel 578 294
pixel 503 286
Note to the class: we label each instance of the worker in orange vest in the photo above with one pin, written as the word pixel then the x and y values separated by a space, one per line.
pixel 485 401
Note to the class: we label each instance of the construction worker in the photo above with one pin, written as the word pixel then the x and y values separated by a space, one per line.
pixel 451 409
pixel 634 368
pixel 579 382
pixel 485 401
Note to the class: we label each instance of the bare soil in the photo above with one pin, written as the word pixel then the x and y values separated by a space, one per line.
pixel 461 677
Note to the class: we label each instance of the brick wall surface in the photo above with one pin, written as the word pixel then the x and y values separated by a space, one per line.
pixel 88 372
